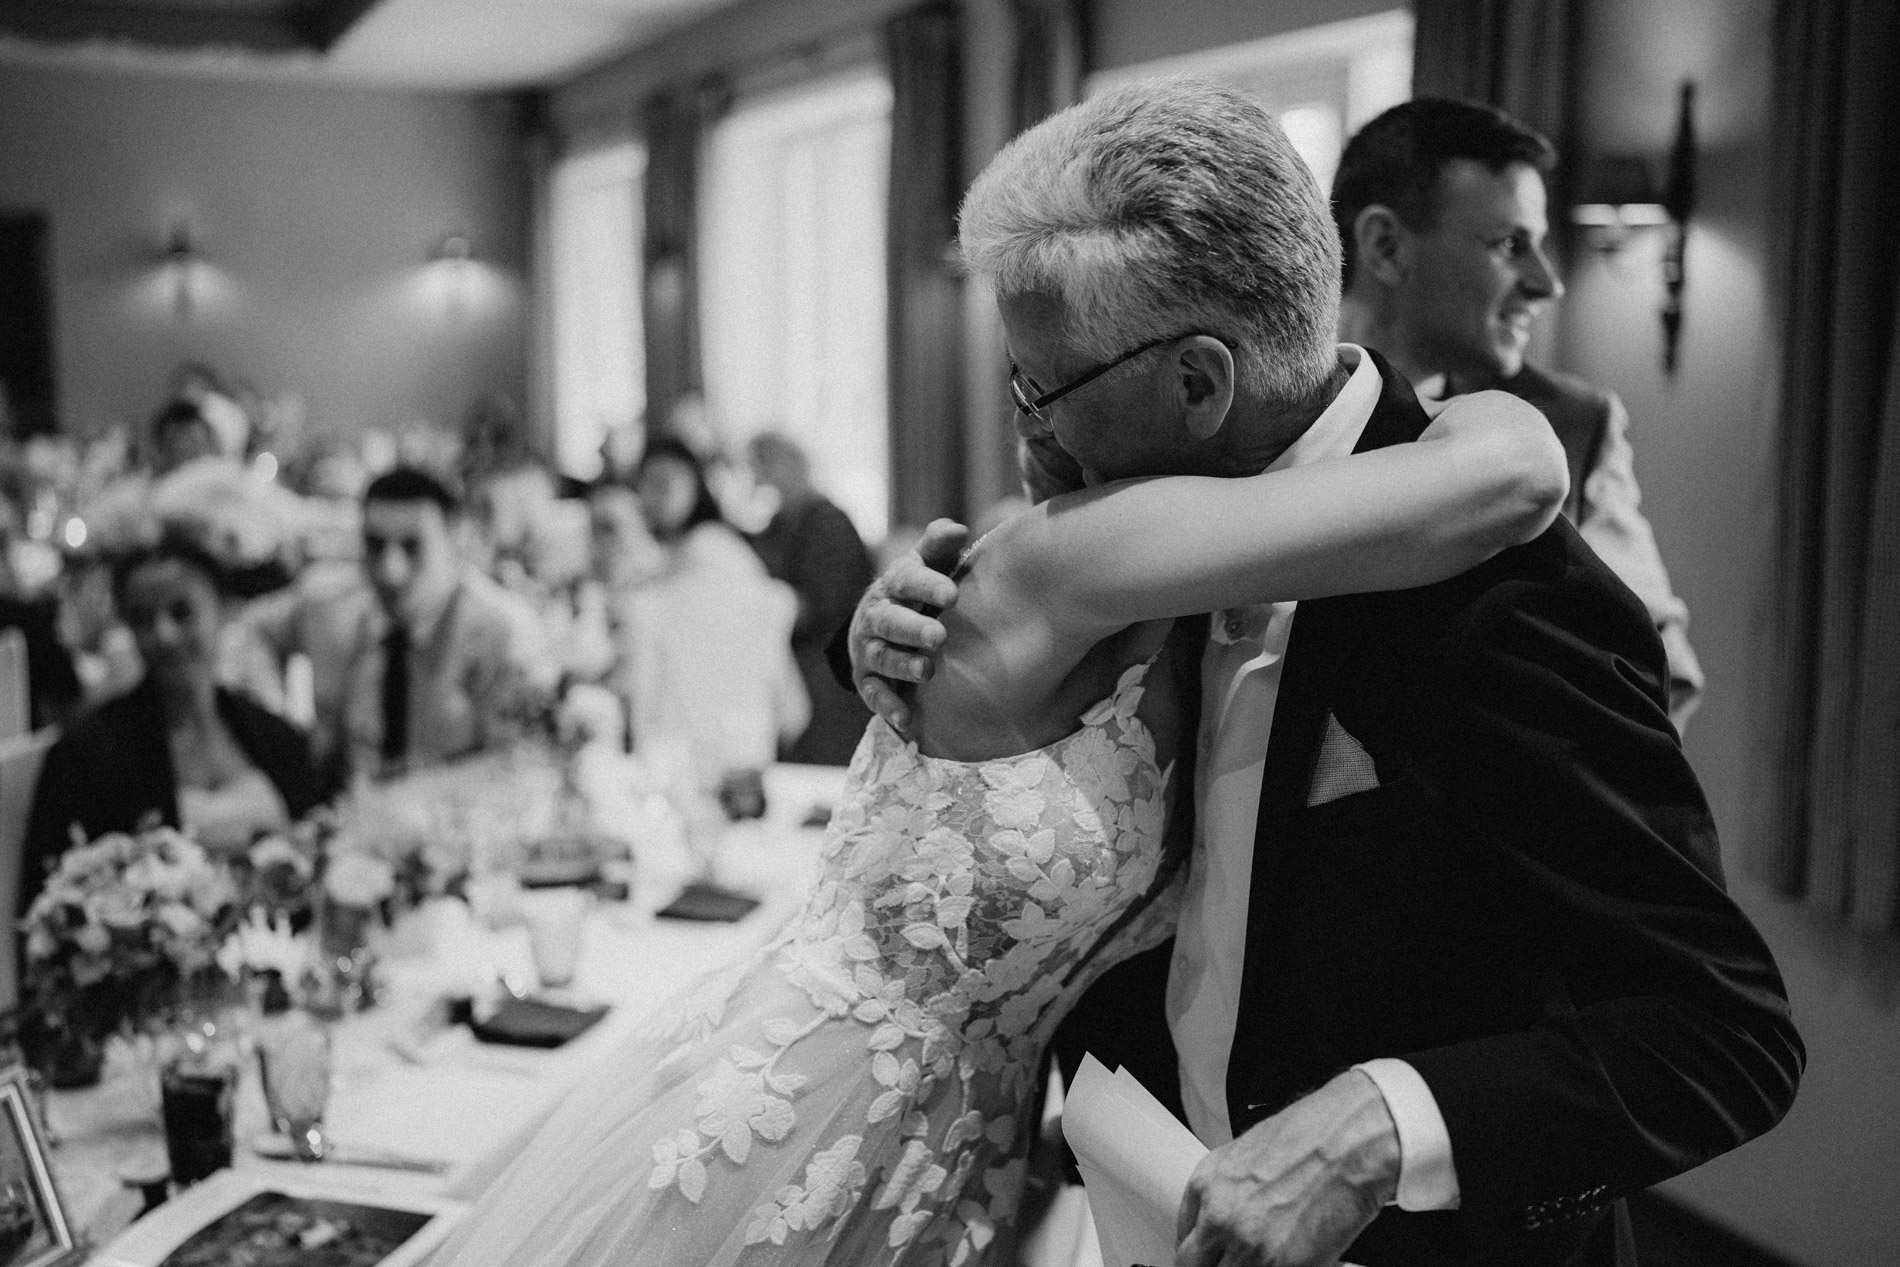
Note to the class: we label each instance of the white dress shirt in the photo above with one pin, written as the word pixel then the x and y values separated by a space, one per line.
pixel 1240 683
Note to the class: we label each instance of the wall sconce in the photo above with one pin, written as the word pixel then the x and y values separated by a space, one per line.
pixel 453 248
pixel 178 259
pixel 1620 198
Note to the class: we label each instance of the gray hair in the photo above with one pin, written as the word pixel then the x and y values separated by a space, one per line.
pixel 1163 207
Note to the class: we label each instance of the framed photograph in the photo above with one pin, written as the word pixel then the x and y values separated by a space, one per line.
pixel 277 1216
pixel 33 1227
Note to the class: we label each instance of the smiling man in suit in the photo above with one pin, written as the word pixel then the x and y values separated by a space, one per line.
pixel 1442 209
pixel 1455 969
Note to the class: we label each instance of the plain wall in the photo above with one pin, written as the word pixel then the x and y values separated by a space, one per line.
pixel 314 208
pixel 1821 1188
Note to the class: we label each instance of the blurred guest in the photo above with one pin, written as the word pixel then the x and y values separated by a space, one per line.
pixel 53 687
pixel 180 435
pixel 104 653
pixel 620 450
pixel 812 546
pixel 1442 210
pixel 196 384
pixel 624 552
pixel 707 643
pixel 415 657
pixel 509 487
pixel 178 747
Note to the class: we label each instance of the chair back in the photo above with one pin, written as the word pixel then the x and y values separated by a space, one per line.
pixel 16 700
pixel 20 760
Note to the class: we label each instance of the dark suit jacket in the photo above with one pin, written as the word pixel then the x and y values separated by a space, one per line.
pixel 113 769
pixel 1578 413
pixel 1529 909
pixel 815 548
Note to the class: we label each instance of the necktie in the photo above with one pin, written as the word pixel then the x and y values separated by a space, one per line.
pixel 396 693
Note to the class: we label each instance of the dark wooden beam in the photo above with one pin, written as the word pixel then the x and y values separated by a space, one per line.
pixel 268 26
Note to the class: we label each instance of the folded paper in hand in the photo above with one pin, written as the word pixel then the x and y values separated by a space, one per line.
pixel 1136 1159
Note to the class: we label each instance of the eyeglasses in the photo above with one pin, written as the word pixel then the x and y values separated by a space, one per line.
pixel 1032 406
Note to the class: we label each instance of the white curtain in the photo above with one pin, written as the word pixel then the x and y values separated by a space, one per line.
pixel 792 286
pixel 599 354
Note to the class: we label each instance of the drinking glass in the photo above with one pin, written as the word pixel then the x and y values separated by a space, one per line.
pixel 195 1101
pixel 293 1053
pixel 555 918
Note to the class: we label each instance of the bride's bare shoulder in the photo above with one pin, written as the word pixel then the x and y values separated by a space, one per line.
pixel 1014 676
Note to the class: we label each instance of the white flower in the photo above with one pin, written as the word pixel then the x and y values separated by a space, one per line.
pixel 734 1101
pixel 355 879
pixel 181 919
pixel 1100 766
pixel 117 907
pixel 819 968
pixel 1015 797
pixel 264 944
pixel 915 1176
pixel 832 1180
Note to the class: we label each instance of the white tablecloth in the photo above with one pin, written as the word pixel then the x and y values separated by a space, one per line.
pixel 403 1085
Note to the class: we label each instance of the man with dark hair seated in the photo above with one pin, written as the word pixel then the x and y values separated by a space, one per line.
pixel 1442 211
pixel 416 657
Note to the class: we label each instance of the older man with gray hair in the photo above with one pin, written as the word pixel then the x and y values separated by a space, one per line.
pixel 1455 970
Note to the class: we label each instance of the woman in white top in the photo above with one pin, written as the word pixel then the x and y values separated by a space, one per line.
pixel 707 658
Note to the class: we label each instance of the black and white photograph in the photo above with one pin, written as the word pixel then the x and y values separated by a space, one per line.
pixel 33 1227
pixel 950 633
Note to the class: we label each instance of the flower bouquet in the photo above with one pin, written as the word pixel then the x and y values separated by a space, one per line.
pixel 124 938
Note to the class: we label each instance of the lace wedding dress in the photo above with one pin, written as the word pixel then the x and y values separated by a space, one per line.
pixel 862 1090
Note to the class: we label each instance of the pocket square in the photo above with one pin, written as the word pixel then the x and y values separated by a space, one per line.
pixel 1344 766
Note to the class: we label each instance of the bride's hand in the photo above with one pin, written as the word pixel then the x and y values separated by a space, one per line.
pixel 893 642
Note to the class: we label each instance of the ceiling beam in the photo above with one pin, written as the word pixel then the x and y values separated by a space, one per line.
pixel 270 26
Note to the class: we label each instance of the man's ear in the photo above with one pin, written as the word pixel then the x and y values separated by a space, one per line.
pixel 1383 245
pixel 1203 383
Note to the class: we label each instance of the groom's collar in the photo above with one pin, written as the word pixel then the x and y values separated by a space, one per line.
pixel 1337 430
pixel 1397 416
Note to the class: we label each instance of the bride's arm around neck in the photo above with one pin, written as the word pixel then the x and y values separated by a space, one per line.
pixel 1047 586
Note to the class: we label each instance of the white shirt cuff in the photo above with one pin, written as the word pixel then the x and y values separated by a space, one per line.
pixel 1427 1178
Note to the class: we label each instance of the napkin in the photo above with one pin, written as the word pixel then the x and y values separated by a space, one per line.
pixel 709 902
pixel 535 1023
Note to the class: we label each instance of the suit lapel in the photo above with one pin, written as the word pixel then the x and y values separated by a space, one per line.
pixel 1318 654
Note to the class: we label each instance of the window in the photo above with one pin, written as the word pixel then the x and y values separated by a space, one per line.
pixel 792 300
pixel 599 356
pixel 1322 82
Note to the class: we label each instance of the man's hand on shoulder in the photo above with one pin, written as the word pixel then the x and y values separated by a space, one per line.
pixel 892 641
pixel 1298 1188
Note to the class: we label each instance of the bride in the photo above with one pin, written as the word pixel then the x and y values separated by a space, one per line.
pixel 862 1090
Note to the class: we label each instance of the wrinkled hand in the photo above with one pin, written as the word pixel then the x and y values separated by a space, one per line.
pixel 892 642
pixel 1297 1189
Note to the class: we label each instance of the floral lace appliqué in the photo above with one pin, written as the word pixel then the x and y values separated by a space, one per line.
pixel 955 901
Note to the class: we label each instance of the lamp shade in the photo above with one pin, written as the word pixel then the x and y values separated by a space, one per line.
pixel 1619 180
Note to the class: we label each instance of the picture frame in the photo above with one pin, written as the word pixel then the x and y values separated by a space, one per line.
pixel 34 1228
pixel 264 1212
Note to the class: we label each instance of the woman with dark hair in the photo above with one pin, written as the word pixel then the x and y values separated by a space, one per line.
pixel 177 748
pixel 674 493
pixel 705 653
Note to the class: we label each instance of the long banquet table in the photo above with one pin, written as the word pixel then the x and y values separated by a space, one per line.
pixel 403 1085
